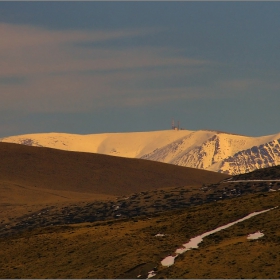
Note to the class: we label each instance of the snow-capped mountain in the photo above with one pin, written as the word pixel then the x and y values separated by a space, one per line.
pixel 210 150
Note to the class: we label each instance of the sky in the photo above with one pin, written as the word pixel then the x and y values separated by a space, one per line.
pixel 99 67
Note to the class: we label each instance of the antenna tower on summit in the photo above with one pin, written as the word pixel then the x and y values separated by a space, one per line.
pixel 173 125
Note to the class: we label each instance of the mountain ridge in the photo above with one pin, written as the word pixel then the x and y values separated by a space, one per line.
pixel 204 149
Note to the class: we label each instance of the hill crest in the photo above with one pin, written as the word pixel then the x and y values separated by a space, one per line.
pixel 204 149
pixel 92 173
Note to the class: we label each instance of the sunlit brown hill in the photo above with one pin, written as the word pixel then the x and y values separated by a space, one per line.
pixel 128 248
pixel 92 173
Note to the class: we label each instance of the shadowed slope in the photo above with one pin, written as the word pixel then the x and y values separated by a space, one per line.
pixel 269 173
pixel 92 173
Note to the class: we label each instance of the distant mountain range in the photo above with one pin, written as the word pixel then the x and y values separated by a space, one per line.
pixel 203 149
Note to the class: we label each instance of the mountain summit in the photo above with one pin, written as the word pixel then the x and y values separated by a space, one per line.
pixel 203 149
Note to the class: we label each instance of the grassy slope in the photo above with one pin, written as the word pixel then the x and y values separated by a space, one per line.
pixel 92 173
pixel 18 200
pixel 125 249
pixel 31 177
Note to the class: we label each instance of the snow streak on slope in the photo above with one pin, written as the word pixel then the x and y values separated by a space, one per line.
pixel 210 150
pixel 195 241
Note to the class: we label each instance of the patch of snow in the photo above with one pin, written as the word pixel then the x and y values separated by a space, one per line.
pixel 255 235
pixel 193 243
pixel 151 274
pixel 257 180
pixel 159 235
pixel 168 261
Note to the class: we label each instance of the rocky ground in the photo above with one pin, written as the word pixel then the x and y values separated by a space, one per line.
pixel 147 203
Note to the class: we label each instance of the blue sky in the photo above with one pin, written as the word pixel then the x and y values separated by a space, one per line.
pixel 94 67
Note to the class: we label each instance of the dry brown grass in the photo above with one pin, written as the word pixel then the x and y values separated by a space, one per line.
pixel 19 200
pixel 92 173
pixel 125 249
pixel 33 177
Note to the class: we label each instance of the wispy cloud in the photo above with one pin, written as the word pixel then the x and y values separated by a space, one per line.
pixel 241 84
pixel 26 50
pixel 49 70
pixel 22 36
pixel 257 88
pixel 45 52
